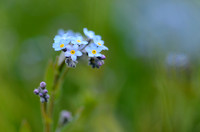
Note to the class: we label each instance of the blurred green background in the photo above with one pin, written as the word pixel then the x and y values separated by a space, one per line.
pixel 150 80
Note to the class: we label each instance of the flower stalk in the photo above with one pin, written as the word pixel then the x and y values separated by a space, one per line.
pixel 73 46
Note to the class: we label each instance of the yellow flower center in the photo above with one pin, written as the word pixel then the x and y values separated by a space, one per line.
pixel 72 51
pixel 94 51
pixel 62 45
pixel 78 41
pixel 99 44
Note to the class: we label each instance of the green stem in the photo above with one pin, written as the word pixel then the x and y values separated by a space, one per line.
pixel 58 77
pixel 47 112
pixel 45 117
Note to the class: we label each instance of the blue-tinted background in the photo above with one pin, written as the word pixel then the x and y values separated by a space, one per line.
pixel 150 80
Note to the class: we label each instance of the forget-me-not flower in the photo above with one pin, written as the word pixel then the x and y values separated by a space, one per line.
pixel 99 42
pixel 61 44
pixel 74 45
pixel 73 52
pixel 93 50
pixel 89 34
pixel 64 35
pixel 79 40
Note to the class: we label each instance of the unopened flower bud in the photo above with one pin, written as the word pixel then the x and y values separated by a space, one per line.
pixel 36 91
pixel 42 100
pixel 100 63
pixel 103 57
pixel 45 91
pixel 42 85
pixel 47 96
pixel 40 94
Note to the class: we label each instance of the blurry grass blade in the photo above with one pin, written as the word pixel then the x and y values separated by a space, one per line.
pixel 25 127
pixel 49 75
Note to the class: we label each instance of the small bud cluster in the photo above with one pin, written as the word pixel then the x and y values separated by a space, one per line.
pixel 74 45
pixel 97 61
pixel 42 92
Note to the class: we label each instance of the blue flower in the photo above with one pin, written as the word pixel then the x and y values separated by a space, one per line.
pixel 78 40
pixel 73 52
pixel 89 34
pixel 64 35
pixel 60 44
pixel 93 50
pixel 61 32
pixel 99 42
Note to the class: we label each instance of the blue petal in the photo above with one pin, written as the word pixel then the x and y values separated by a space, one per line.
pixel 104 47
pixel 78 53
pixel 61 32
pixel 90 55
pixel 74 42
pixel 93 46
pixel 75 46
pixel 67 54
pixel 57 49
pixel 57 38
pixel 88 49
pixel 101 42
pixel 73 57
pixel 97 37
pixel 85 30
pixel 97 54
pixel 69 47
pixel 84 42
pixel 99 49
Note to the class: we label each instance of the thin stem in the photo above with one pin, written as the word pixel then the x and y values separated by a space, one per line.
pixel 45 117
pixel 55 88
pixel 58 77
pixel 60 73
pixel 89 41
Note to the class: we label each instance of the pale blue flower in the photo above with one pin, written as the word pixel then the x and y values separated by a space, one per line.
pixel 68 35
pixel 73 52
pixel 89 34
pixel 61 32
pixel 61 44
pixel 93 50
pixel 79 40
pixel 99 42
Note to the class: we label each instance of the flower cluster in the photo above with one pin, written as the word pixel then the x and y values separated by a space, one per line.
pixel 42 92
pixel 75 45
